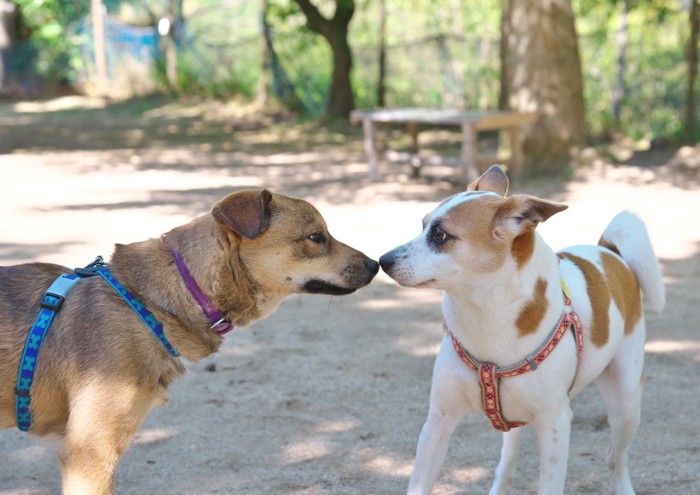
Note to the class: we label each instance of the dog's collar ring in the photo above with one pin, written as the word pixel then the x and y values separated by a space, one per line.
pixel 222 326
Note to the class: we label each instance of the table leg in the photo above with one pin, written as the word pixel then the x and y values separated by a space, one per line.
pixel 516 151
pixel 370 148
pixel 414 160
pixel 469 168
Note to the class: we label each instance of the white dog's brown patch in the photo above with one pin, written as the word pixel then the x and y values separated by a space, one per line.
pixel 523 247
pixel 624 289
pixel 599 295
pixel 534 310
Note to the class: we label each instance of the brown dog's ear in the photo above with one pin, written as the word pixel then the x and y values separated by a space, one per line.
pixel 247 212
pixel 494 180
pixel 521 213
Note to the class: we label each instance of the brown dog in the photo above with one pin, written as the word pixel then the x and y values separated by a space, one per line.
pixel 100 369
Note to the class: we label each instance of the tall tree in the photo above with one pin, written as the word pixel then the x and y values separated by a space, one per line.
pixel 335 31
pixel 9 21
pixel 262 94
pixel 619 88
pixel 381 80
pixel 167 31
pixel 282 86
pixel 541 72
pixel 692 57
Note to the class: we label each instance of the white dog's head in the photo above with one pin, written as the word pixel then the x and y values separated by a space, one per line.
pixel 470 234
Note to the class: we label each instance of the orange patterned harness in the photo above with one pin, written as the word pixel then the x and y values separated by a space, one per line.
pixel 489 373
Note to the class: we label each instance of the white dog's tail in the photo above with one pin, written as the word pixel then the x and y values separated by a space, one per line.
pixel 627 235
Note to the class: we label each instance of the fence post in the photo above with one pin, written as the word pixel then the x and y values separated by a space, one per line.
pixel 99 35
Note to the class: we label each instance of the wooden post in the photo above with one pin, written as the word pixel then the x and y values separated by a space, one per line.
pixel 99 41
pixel 516 150
pixel 412 128
pixel 370 149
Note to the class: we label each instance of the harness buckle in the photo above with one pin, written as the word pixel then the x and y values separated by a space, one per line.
pixel 52 301
pixel 531 361
pixel 91 269
pixel 57 291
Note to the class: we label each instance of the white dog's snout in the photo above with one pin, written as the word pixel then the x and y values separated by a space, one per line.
pixel 388 260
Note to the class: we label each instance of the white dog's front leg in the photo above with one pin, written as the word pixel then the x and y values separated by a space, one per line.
pixel 448 406
pixel 432 449
pixel 553 439
pixel 504 471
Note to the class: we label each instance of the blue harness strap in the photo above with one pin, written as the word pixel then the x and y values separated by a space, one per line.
pixel 50 304
pixel 139 308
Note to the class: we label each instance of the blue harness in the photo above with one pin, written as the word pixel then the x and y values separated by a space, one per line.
pixel 50 305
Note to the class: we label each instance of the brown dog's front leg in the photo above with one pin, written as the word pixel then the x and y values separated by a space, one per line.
pixel 103 418
pixel 84 473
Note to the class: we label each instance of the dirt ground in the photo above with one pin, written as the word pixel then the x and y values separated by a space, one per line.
pixel 327 395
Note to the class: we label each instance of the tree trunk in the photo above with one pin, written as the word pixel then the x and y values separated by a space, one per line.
pixel 694 17
pixel 170 47
pixel 262 94
pixel 282 87
pixel 341 101
pixel 381 84
pixel 335 30
pixel 619 88
pixel 9 14
pixel 541 72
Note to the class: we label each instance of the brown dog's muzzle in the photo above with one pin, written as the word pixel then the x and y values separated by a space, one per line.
pixel 355 276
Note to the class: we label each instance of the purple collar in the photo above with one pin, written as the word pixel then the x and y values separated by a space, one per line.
pixel 218 321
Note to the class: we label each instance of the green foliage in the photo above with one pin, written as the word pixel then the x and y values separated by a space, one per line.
pixel 305 56
pixel 197 75
pixel 44 50
pixel 439 53
pixel 48 49
pixel 442 53
pixel 218 54
pixel 655 72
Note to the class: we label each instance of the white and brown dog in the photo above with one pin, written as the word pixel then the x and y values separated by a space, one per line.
pixel 508 348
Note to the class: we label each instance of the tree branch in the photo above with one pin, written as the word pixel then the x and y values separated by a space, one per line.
pixel 314 20
pixel 344 11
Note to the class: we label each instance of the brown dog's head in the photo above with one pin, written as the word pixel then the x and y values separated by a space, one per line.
pixel 285 247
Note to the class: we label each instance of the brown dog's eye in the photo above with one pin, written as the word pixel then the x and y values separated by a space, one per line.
pixel 317 238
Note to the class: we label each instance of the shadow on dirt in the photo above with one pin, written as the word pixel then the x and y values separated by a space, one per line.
pixel 12 251
pixel 327 395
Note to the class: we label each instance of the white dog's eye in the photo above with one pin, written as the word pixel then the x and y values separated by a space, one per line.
pixel 439 236
pixel 317 238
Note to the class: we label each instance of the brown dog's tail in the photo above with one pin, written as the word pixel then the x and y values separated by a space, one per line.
pixel 627 236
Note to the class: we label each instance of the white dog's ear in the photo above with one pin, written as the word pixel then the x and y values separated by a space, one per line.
pixel 521 213
pixel 494 180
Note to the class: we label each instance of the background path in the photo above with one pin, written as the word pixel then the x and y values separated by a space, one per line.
pixel 328 395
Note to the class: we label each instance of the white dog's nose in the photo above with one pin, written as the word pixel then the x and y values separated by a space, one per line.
pixel 387 260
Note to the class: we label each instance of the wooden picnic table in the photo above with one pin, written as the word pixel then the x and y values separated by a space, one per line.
pixel 471 123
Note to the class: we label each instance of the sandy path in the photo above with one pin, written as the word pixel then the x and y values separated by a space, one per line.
pixel 327 396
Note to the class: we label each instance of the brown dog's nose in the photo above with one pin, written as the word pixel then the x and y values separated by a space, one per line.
pixel 372 265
